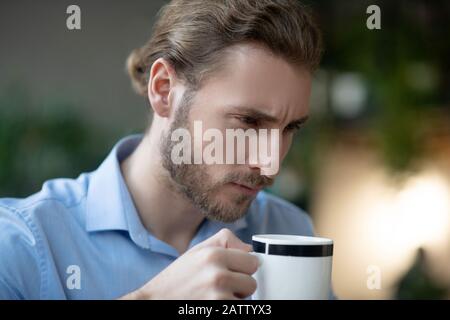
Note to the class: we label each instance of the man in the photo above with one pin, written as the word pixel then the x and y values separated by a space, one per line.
pixel 144 227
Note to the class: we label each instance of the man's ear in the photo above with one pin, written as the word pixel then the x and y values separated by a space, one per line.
pixel 161 81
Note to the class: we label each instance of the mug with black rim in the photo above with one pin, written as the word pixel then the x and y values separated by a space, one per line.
pixel 292 267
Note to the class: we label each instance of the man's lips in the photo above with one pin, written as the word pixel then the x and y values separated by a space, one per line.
pixel 247 189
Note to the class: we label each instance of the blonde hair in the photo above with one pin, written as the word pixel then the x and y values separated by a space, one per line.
pixel 192 36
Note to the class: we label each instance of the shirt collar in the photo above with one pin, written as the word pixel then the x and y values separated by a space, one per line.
pixel 110 205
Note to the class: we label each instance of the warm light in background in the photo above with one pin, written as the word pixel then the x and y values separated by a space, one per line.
pixel 413 216
pixel 376 222
pixel 423 210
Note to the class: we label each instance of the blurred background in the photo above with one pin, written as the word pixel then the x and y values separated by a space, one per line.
pixel 372 167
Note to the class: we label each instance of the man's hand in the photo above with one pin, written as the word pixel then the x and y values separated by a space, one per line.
pixel 218 268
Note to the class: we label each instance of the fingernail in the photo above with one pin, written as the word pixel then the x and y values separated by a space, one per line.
pixel 259 261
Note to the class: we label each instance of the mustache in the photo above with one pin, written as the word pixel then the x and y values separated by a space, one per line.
pixel 254 180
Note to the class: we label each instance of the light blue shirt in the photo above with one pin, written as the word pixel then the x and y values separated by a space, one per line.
pixel 83 239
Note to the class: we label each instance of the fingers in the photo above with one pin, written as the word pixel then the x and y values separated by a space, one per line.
pixel 239 261
pixel 233 262
pixel 241 285
pixel 232 284
pixel 226 239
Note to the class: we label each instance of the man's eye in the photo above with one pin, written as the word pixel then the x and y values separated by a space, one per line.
pixel 292 128
pixel 249 121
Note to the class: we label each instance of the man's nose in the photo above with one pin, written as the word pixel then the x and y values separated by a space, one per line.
pixel 266 157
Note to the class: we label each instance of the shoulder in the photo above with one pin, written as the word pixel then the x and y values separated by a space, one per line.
pixel 19 259
pixel 24 227
pixel 66 192
pixel 272 214
pixel 53 202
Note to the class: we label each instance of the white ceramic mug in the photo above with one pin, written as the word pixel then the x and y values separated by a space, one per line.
pixel 292 267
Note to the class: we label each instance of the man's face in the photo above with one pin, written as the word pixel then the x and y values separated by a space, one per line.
pixel 254 89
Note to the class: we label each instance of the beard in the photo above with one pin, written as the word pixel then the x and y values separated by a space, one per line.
pixel 195 183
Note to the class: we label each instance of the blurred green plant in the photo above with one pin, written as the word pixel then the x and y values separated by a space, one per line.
pixel 405 65
pixel 43 141
pixel 416 283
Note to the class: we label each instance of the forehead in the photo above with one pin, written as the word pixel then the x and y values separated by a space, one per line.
pixel 252 76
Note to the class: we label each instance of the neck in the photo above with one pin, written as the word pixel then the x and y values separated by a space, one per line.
pixel 166 213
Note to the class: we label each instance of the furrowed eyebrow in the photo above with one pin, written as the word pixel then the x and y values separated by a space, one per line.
pixel 261 116
pixel 254 113
pixel 298 122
